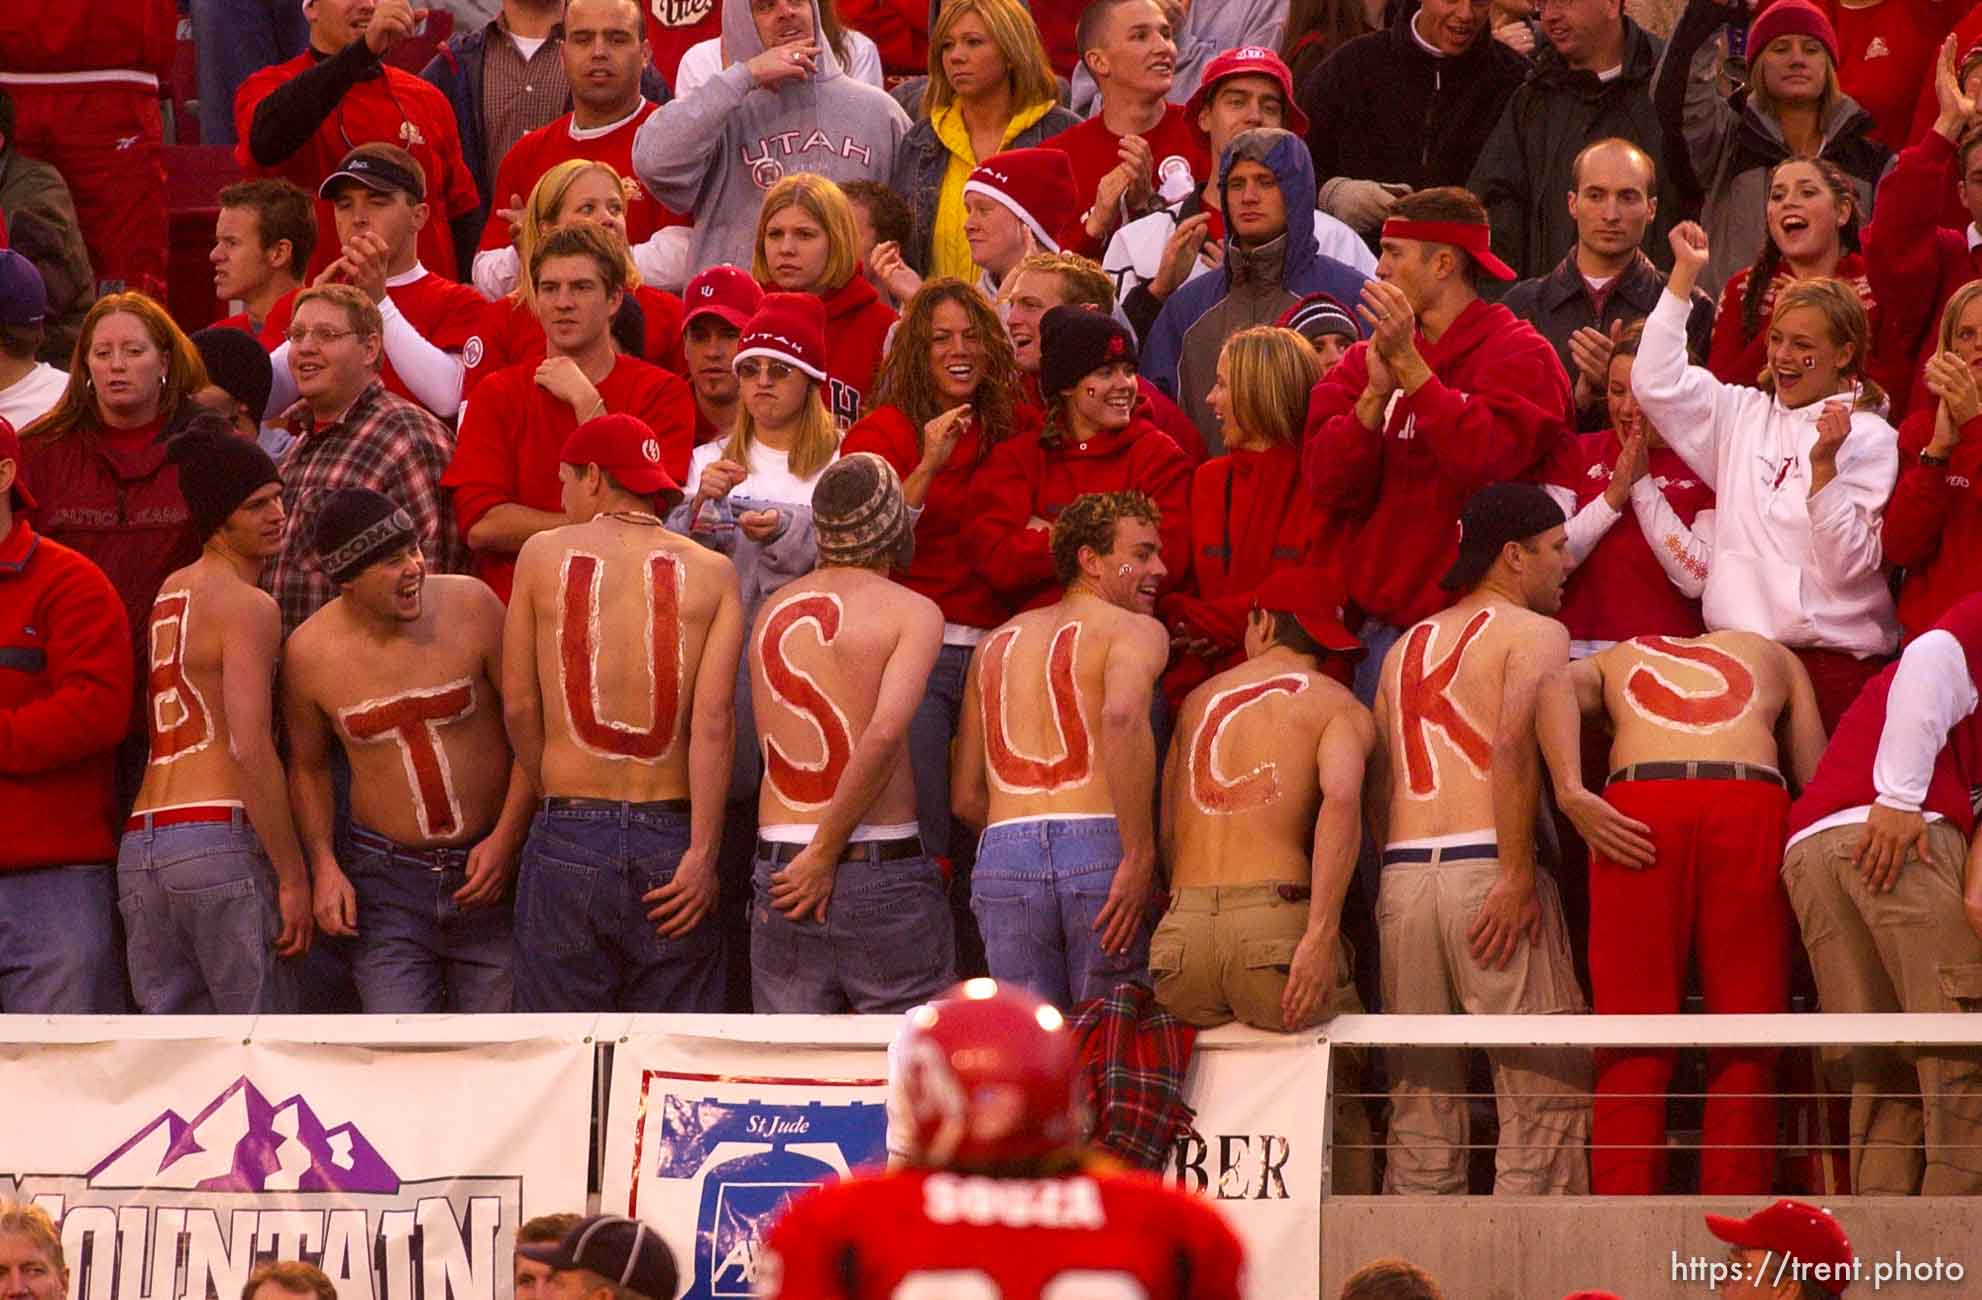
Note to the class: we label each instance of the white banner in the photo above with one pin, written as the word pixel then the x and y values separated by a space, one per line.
pixel 178 1156
pixel 714 1123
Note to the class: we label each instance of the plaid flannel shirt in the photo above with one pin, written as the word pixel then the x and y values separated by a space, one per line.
pixel 1133 1059
pixel 385 443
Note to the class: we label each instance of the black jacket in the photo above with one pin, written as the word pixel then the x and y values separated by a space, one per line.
pixel 1383 108
pixel 1523 174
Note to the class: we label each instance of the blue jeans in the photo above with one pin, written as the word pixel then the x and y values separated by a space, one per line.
pixel 200 920
pixel 1037 888
pixel 583 941
pixel 237 38
pixel 57 954
pixel 930 732
pixel 885 945
pixel 418 950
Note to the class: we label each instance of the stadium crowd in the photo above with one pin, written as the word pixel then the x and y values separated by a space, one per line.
pixel 1432 506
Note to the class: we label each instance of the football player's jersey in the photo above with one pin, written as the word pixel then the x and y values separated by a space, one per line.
pixel 922 1234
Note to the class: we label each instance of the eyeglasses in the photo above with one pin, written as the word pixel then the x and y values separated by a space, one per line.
pixel 777 370
pixel 321 335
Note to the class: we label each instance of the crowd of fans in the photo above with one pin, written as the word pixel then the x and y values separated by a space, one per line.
pixel 666 487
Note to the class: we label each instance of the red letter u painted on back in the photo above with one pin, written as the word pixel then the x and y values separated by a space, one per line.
pixel 804 785
pixel 1023 773
pixel 578 652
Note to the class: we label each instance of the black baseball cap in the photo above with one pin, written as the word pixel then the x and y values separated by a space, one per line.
pixel 1494 516
pixel 374 173
pixel 623 1251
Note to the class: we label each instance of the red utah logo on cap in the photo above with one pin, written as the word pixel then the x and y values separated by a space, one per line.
pixel 651 449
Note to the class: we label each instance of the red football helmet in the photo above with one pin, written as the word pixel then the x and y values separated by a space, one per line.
pixel 988 1078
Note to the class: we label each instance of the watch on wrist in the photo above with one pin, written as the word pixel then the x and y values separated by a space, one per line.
pixel 1936 462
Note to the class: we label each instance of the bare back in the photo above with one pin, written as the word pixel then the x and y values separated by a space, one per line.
pixel 620 613
pixel 818 655
pixel 419 714
pixel 1712 697
pixel 191 758
pixel 1242 786
pixel 1440 701
pixel 1040 689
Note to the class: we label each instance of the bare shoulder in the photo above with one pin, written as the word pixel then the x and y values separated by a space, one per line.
pixel 1532 635
pixel 539 550
pixel 459 596
pixel 312 641
pixel 1141 633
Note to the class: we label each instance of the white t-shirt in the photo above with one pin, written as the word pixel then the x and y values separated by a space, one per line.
pixel 704 59
pixel 32 395
pixel 770 477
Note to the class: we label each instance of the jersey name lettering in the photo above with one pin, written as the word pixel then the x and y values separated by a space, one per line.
pixel 1215 792
pixel 804 785
pixel 180 721
pixel 1013 1202
pixel 413 720
pixel 1424 706
pixel 578 651
pixel 1656 698
pixel 1022 773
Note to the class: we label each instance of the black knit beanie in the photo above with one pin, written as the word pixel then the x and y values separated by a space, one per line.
pixel 217 472
pixel 355 528
pixel 1074 343
pixel 237 364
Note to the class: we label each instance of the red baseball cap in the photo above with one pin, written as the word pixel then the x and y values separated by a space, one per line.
pixel 724 291
pixel 1807 1234
pixel 1247 61
pixel 626 446
pixel 10 449
pixel 1308 594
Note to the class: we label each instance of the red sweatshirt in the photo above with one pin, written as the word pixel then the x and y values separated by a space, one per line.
pixel 1967 31
pixel 898 28
pixel 1151 405
pixel 1024 477
pixel 513 432
pixel 547 146
pixel 275 330
pixel 1183 160
pixel 944 569
pixel 65 701
pixel 1927 246
pixel 1885 52
pixel 1495 405
pixel 53 36
pixel 1619 591
pixel 1933 524
pixel 857 325
pixel 1057 21
pixel 1250 518
pixel 674 26
pixel 509 334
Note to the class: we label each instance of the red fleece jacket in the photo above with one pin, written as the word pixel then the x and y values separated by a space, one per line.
pixel 857 325
pixel 1933 524
pixel 1496 403
pixel 1024 478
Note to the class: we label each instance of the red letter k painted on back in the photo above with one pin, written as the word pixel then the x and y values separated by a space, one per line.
pixel 1422 703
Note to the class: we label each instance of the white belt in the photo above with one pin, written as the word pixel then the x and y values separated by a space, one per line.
pixel 122 76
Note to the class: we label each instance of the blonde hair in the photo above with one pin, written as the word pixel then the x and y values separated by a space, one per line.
pixel 1017 37
pixel 826 204
pixel 31 1221
pixel 1269 373
pixel 812 447
pixel 359 309
pixel 1844 318
pixel 541 213
pixel 185 372
pixel 1085 283
pixel 1951 317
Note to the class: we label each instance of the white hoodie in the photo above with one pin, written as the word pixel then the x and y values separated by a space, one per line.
pixel 1805 571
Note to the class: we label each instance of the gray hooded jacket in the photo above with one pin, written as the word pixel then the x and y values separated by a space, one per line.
pixel 715 152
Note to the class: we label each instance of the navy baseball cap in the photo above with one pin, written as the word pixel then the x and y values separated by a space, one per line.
pixel 374 173
pixel 623 1251
pixel 23 297
pixel 1495 515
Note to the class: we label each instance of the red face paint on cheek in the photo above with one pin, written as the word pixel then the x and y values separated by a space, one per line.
pixel 1214 792
pixel 413 720
pixel 1423 706
pixel 809 786
pixel 180 723
pixel 1658 699
pixel 578 649
pixel 1021 773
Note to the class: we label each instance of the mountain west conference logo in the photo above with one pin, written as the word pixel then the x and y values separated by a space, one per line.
pixel 185 1210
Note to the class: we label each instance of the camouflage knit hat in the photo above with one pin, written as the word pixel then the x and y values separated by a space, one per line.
pixel 858 514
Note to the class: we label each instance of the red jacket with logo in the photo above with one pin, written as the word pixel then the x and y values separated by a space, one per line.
pixel 857 325
pixel 1933 524
pixel 65 702
pixel 44 36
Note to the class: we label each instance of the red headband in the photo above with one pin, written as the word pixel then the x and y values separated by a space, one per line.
pixel 1476 239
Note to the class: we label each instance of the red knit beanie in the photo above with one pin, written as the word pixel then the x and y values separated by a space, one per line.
pixel 1791 18
pixel 787 327
pixel 1037 185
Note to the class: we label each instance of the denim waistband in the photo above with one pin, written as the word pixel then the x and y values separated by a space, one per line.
pixel 433 859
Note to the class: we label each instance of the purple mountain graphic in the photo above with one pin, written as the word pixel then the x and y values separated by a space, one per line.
pixel 242 1142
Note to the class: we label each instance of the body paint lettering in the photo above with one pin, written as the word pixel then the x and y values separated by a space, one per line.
pixel 1214 792
pixel 579 648
pixel 804 785
pixel 1018 772
pixel 412 720
pixel 181 723
pixel 1424 706
pixel 1653 696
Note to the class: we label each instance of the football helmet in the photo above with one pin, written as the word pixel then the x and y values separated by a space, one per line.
pixel 988 1078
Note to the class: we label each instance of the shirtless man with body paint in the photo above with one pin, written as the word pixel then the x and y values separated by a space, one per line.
pixel 618 688
pixel 1467 921
pixel 1262 816
pixel 1056 759
pixel 850 912
pixel 210 877
pixel 400 670
pixel 1685 856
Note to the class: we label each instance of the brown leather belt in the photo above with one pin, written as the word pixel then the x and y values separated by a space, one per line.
pixel 1695 771
pixel 866 851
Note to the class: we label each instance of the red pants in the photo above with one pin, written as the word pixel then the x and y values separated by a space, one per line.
pixel 106 139
pixel 1837 678
pixel 1715 891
